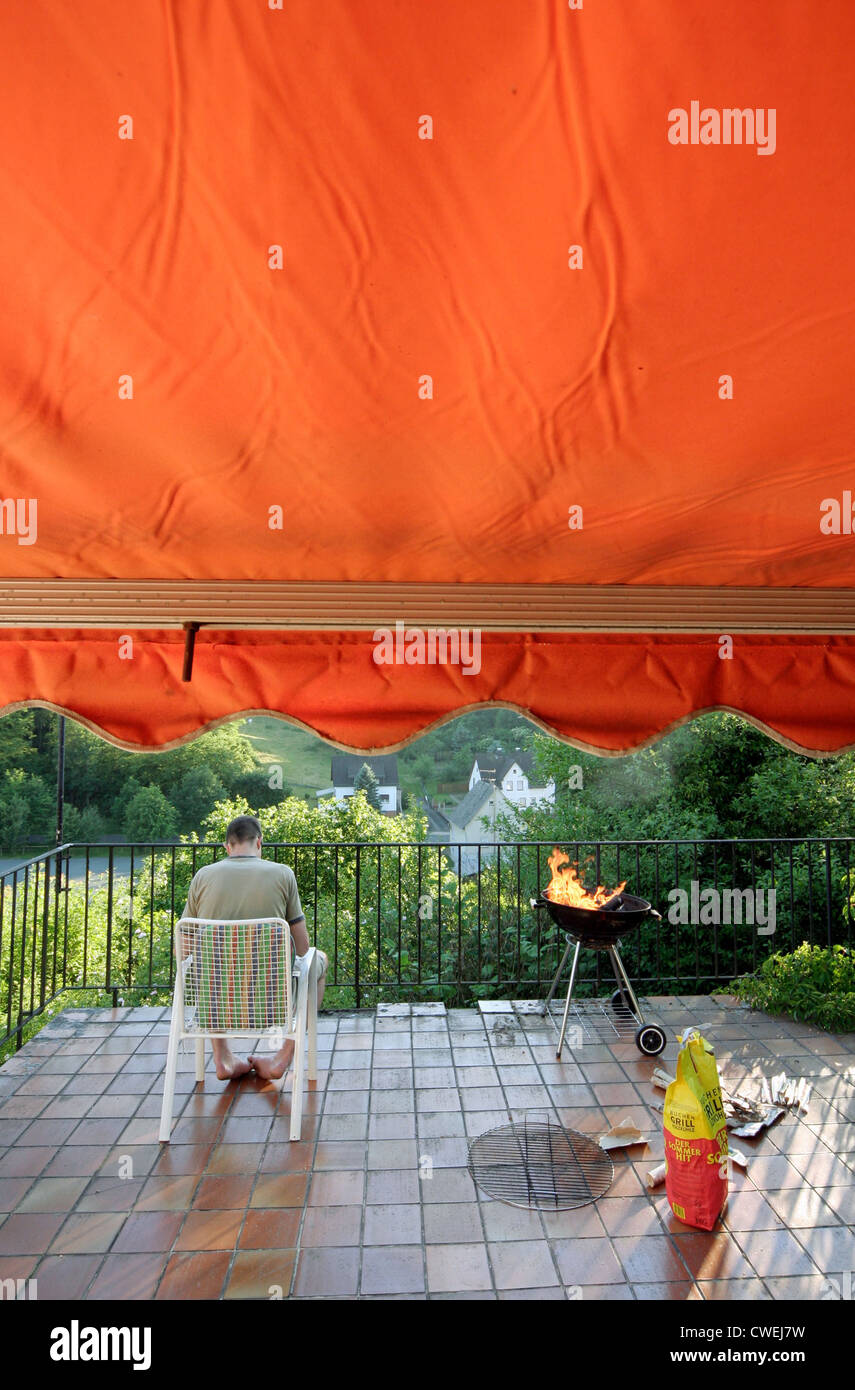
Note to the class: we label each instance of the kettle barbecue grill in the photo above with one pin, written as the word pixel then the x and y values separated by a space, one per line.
pixel 602 929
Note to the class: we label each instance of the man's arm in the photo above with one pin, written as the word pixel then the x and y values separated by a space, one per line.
pixel 294 914
pixel 300 935
pixel 190 910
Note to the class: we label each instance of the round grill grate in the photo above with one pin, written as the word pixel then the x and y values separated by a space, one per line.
pixel 540 1165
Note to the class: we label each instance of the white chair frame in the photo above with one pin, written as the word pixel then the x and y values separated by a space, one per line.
pixel 302 1009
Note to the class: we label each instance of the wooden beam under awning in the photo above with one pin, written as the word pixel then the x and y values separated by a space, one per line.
pixel 244 604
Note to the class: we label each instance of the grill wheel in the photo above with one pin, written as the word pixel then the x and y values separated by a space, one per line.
pixel 651 1040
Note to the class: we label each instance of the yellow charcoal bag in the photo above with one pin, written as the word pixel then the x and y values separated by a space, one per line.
pixel 695 1136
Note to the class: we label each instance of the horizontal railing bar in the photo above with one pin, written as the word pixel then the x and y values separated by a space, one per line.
pixel 115 845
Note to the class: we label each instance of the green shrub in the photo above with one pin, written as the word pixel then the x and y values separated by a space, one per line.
pixel 813 985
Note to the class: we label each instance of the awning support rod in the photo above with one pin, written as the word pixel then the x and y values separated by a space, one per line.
pixel 190 630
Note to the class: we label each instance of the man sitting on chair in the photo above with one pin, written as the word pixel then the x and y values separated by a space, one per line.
pixel 246 886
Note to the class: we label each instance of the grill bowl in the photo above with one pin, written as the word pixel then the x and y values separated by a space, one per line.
pixel 593 927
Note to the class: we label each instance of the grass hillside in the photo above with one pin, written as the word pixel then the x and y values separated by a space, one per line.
pixel 305 758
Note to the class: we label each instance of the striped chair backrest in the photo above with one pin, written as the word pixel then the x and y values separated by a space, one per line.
pixel 239 976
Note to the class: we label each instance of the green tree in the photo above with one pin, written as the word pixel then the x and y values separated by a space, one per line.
pixel 366 781
pixel 27 810
pixel 423 769
pixel 17 742
pixel 84 826
pixel 149 816
pixel 120 804
pixel 196 794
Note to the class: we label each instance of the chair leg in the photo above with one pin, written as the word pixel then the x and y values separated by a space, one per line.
pixel 313 1024
pixel 169 1078
pixel 200 1059
pixel 297 1082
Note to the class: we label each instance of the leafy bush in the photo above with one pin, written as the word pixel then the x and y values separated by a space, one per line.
pixel 84 825
pixel 198 790
pixel 813 985
pixel 150 816
pixel 26 808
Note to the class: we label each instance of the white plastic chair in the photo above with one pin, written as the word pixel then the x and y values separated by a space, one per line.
pixel 242 979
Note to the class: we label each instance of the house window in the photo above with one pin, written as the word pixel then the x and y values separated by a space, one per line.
pixel 520 785
pixel 522 801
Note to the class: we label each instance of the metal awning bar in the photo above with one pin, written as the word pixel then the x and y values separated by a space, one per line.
pixel 246 604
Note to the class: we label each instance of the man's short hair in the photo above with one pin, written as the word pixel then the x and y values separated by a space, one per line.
pixel 243 829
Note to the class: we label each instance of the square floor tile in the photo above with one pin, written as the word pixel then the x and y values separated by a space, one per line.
pixel 336 1189
pixel 210 1230
pixel 327 1272
pixel 457 1268
pixel 452 1223
pixel 261 1274
pixel 144 1232
pixel 336 1226
pixel 503 1222
pixel 194 1275
pixel 50 1194
pixel 275 1228
pixel 390 1187
pixel 108 1194
pixel 522 1264
pixel 588 1262
pixel 391 1269
pixel 87 1233
pixel 283 1190
pixel 773 1252
pixel 230 1192
pixel 29 1233
pixel 66 1278
pixel 127 1277
pixel 712 1256
pixel 393 1225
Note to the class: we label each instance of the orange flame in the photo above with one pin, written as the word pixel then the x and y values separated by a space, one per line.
pixel 565 886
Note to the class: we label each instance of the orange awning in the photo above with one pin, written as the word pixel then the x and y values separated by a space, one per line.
pixel 367 295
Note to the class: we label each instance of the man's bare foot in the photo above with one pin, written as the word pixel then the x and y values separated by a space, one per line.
pixel 229 1067
pixel 272 1068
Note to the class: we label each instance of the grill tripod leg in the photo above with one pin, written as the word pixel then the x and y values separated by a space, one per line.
pixel 569 997
pixel 559 972
pixel 623 982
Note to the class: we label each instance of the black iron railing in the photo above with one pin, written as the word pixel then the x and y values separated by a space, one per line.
pixel 94 923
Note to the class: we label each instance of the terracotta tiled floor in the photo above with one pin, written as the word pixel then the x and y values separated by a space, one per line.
pixel 376 1200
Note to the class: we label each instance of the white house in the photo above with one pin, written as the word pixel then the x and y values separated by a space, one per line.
pixel 345 769
pixel 512 773
pixel 473 822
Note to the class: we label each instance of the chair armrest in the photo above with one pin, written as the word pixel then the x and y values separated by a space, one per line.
pixel 303 964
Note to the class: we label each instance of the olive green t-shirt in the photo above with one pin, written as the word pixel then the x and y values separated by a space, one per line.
pixel 242 887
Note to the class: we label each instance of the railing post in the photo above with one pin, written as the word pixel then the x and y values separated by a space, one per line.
pixel 108 964
pixel 828 926
pixel 357 914
pixel 45 914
